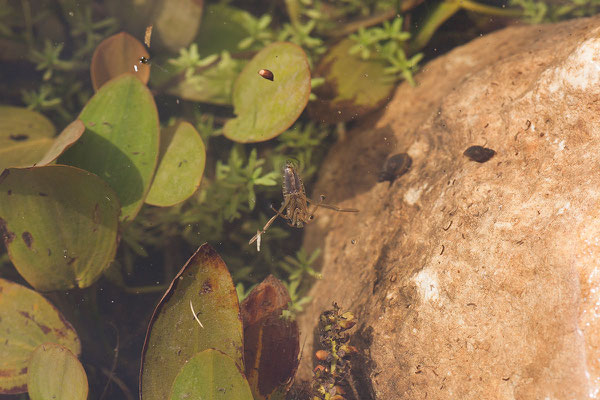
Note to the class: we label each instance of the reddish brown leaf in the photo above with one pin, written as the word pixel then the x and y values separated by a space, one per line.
pixel 116 55
pixel 271 343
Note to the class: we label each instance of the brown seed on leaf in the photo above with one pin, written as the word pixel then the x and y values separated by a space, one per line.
pixel 479 153
pixel 265 73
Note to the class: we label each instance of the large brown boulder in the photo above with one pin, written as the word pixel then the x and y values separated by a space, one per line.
pixel 473 280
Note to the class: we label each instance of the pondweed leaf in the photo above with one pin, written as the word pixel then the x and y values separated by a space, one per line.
pixel 174 336
pixel 59 225
pixel 265 108
pixel 120 143
pixel 352 88
pixel 54 372
pixel 27 320
pixel 271 343
pixel 116 55
pixel 181 165
pixel 25 136
pixel 213 375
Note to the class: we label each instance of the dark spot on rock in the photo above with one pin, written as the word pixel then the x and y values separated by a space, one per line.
pixel 206 287
pixel 479 153
pixel 394 167
pixel 28 239
pixel 43 194
pixel 7 235
pixel 18 138
pixel 4 175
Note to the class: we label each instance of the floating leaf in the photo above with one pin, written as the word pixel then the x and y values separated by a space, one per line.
pixel 266 108
pixel 66 139
pixel 352 88
pixel 116 55
pixel 271 343
pixel 222 29
pixel 120 143
pixel 54 372
pixel 213 375
pixel 181 167
pixel 59 225
pixel 27 320
pixel 174 336
pixel 177 22
pixel 25 136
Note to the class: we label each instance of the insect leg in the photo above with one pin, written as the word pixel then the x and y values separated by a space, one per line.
pixel 330 206
pixel 269 222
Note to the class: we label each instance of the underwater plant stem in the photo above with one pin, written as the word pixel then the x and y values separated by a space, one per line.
pixel 442 12
pixel 363 23
pixel 26 6
pixel 489 10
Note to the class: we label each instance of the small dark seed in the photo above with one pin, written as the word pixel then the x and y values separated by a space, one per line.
pixel 394 167
pixel 479 153
pixel 265 73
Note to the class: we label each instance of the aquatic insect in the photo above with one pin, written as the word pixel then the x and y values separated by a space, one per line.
pixel 144 60
pixel 295 203
pixel 394 167
pixel 479 153
pixel 265 73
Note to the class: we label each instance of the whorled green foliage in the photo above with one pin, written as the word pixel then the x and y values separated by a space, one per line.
pixel 266 108
pixel 59 225
pixel 54 372
pixel 181 167
pixel 25 136
pixel 352 86
pixel 120 143
pixel 174 336
pixel 27 320
pixel 213 375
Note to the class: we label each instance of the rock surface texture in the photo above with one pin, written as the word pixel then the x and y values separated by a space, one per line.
pixel 474 280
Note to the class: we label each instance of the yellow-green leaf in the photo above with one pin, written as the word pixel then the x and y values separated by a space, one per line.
pixel 174 336
pixel 59 224
pixel 181 167
pixel 54 372
pixel 27 320
pixel 266 108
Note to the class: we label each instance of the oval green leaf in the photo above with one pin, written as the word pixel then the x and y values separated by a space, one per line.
pixel 352 88
pixel 59 225
pixel 181 167
pixel 120 143
pixel 174 336
pixel 25 136
pixel 116 55
pixel 54 372
pixel 213 375
pixel 266 108
pixel 27 320
pixel 62 142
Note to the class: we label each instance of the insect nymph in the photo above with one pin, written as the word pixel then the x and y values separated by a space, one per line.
pixel 295 203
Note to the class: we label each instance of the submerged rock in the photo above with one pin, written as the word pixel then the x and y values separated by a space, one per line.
pixel 474 281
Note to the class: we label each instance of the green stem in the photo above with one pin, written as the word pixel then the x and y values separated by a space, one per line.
pixel 489 10
pixel 440 14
